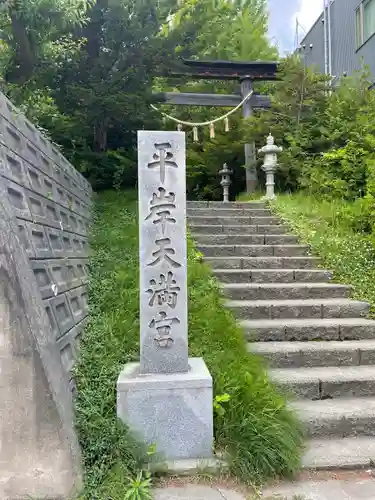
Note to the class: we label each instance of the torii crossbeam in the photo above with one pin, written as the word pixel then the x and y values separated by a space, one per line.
pixel 244 72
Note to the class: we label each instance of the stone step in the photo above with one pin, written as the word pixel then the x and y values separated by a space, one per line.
pixel 323 353
pixel 341 417
pixel 263 262
pixel 310 308
pixel 246 239
pixel 219 229
pixel 234 221
pixel 228 212
pixel 341 453
pixel 254 250
pixel 222 204
pixel 326 382
pixel 272 275
pixel 297 330
pixel 285 291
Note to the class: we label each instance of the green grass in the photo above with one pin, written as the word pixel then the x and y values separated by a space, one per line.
pixel 260 436
pixel 257 195
pixel 327 226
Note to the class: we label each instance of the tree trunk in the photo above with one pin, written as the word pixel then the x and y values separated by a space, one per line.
pixel 24 58
pixel 100 136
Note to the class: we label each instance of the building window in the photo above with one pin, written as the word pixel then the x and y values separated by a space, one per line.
pixel 365 21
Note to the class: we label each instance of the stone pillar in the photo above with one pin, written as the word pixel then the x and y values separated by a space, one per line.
pixel 162 243
pixel 225 181
pixel 166 399
pixel 250 151
pixel 270 152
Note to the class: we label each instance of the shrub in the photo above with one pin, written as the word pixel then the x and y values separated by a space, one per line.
pixel 328 136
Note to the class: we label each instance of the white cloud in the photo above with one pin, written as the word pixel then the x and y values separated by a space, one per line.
pixel 308 12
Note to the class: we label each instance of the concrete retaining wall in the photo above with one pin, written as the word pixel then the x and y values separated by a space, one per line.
pixel 51 202
pixel 44 222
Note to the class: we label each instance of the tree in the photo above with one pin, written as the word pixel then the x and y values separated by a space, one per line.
pixel 327 133
pixel 299 99
pixel 219 30
pixel 88 68
pixel 97 74
pixel 30 27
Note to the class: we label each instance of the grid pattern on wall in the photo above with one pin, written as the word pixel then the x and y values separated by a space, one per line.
pixel 51 203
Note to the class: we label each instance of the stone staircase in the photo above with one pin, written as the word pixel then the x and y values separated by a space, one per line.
pixel 318 342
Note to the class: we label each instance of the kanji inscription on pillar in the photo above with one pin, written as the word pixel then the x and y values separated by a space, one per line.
pixel 162 243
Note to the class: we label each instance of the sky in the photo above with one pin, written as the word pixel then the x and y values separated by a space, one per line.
pixel 282 22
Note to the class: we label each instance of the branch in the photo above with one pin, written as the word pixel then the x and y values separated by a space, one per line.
pixel 92 30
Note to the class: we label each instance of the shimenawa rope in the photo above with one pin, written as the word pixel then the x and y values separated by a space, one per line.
pixel 195 125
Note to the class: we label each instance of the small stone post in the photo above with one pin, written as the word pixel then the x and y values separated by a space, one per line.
pixel 225 181
pixel 166 399
pixel 270 152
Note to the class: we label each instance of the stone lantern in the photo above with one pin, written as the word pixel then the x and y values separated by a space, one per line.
pixel 270 152
pixel 225 181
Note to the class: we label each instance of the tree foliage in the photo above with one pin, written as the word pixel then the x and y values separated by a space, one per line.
pixel 33 30
pixel 215 30
pixel 85 70
pixel 328 137
pixel 221 30
pixel 86 76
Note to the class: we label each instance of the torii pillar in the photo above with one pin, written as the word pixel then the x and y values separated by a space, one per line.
pixel 250 151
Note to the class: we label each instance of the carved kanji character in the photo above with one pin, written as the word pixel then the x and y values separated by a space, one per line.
pixel 162 159
pixel 164 291
pixel 164 253
pixel 163 326
pixel 160 208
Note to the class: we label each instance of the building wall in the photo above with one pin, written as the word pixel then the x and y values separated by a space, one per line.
pixel 345 56
pixel 50 201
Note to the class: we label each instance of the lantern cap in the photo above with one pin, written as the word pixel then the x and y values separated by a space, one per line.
pixel 225 170
pixel 270 140
pixel 270 147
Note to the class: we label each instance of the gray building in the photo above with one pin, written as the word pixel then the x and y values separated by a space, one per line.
pixel 342 37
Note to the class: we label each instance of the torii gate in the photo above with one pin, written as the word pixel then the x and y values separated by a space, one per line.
pixel 244 72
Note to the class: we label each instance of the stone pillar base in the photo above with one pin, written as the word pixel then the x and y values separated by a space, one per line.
pixel 171 411
pixel 251 185
pixel 268 198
